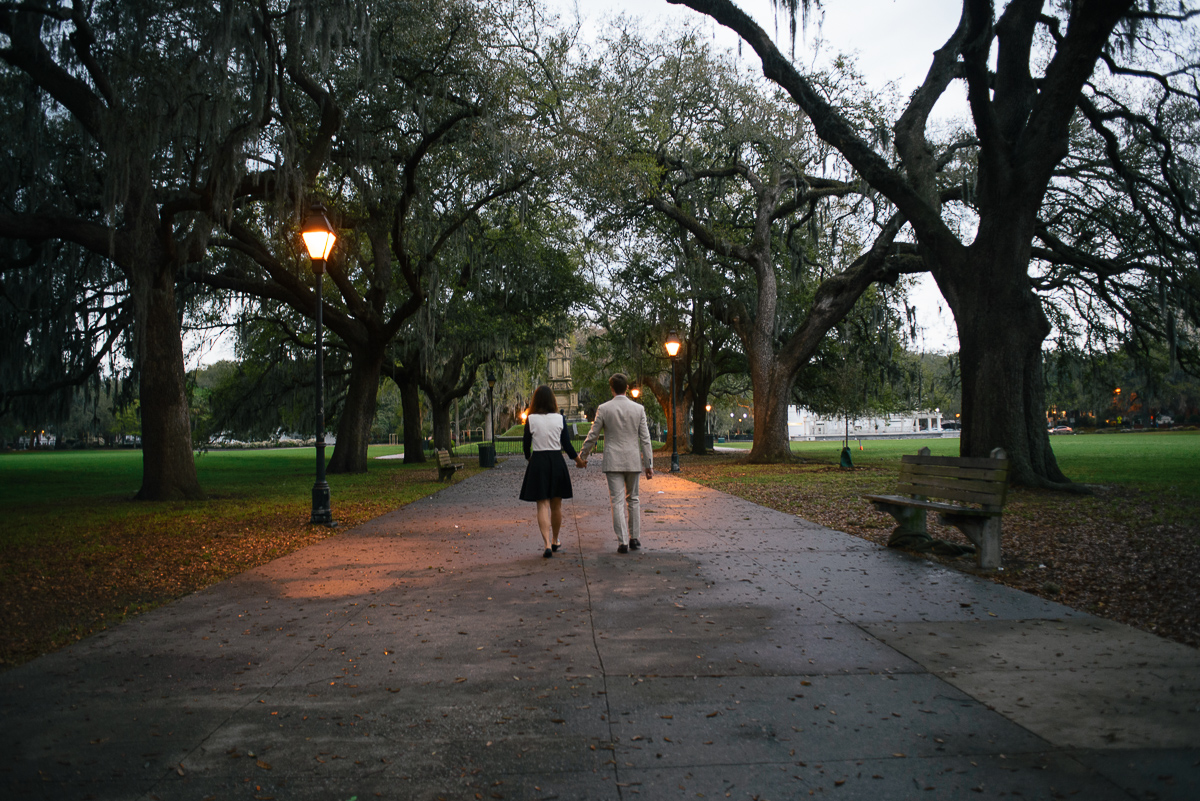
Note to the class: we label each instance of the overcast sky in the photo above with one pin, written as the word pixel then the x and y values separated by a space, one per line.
pixel 892 40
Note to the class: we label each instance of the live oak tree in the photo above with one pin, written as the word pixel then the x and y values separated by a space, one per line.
pixel 790 235
pixel 1028 74
pixel 162 117
pixel 513 292
pixel 270 389
pixel 415 127
pixel 658 282
pixel 863 367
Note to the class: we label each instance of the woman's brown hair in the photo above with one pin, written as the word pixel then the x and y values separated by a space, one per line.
pixel 543 401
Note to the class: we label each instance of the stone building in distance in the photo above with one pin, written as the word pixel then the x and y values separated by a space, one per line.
pixel 559 379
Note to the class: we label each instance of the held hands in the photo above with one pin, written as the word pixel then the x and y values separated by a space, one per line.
pixel 649 473
pixel 580 462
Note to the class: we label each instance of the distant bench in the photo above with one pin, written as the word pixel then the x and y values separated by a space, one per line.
pixel 977 485
pixel 446 468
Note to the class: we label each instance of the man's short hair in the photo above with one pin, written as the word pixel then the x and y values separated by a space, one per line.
pixel 618 383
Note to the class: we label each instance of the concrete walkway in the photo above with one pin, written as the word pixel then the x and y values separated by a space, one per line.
pixel 743 653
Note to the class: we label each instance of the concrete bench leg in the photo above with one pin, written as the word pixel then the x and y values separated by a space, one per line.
pixel 910 518
pixel 983 531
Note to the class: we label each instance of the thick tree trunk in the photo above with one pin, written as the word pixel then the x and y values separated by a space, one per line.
pixel 440 413
pixel 168 465
pixel 700 425
pixel 771 397
pixel 354 426
pixel 677 422
pixel 1001 330
pixel 410 405
pixel 700 383
pixel 1003 398
pixel 444 384
pixel 683 405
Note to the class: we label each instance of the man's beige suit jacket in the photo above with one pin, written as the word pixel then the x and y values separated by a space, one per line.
pixel 627 447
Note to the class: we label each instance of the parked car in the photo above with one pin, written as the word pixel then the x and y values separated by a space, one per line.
pixel 950 426
pixel 1062 430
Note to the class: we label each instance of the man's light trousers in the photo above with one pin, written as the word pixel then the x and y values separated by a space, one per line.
pixel 626 509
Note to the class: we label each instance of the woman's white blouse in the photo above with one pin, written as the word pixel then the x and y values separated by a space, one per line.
pixel 546 431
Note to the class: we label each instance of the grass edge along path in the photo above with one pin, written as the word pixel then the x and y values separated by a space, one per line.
pixel 78 555
pixel 1129 552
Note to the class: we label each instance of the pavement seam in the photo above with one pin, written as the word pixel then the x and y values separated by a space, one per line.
pixel 599 656
pixel 1050 748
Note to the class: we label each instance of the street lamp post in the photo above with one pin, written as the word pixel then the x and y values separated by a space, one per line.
pixel 491 379
pixel 708 430
pixel 672 345
pixel 319 237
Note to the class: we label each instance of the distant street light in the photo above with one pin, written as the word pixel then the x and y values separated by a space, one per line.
pixel 672 345
pixel 318 238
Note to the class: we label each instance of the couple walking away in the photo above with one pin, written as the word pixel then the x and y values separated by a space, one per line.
pixel 627 454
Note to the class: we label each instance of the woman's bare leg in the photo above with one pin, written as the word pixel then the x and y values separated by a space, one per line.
pixel 556 516
pixel 543 519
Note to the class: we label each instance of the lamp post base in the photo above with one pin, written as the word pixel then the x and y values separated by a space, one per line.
pixel 674 462
pixel 322 515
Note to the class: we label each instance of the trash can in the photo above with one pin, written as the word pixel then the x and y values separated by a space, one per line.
pixel 846 461
pixel 487 454
pixel 708 441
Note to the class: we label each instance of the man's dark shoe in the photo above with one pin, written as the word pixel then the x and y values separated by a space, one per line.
pixel 634 544
pixel 622 548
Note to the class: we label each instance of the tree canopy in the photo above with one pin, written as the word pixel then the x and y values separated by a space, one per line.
pixel 1028 75
pixel 478 159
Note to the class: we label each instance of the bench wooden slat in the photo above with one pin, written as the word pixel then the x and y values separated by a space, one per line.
pixel 446 468
pixel 986 486
pixel 993 473
pixel 954 461
pixel 987 493
pixel 944 477
pixel 904 500
pixel 937 483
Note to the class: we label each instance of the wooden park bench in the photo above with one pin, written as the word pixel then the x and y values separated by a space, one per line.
pixel 970 496
pixel 446 468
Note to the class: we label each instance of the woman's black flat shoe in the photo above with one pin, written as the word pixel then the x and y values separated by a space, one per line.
pixel 547 553
pixel 554 547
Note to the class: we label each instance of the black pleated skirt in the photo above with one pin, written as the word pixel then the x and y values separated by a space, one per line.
pixel 546 476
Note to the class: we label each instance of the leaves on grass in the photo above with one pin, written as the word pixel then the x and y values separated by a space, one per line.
pixel 91 572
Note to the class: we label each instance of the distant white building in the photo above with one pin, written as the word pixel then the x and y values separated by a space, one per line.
pixel 806 424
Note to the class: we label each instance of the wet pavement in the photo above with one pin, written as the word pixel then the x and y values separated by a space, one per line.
pixel 742 653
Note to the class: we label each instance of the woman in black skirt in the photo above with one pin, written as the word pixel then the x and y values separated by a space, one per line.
pixel 547 481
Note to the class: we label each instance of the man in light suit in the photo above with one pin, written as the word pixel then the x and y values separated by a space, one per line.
pixel 627 454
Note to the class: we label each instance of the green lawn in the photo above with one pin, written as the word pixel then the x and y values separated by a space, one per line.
pixel 1169 460
pixel 55 494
